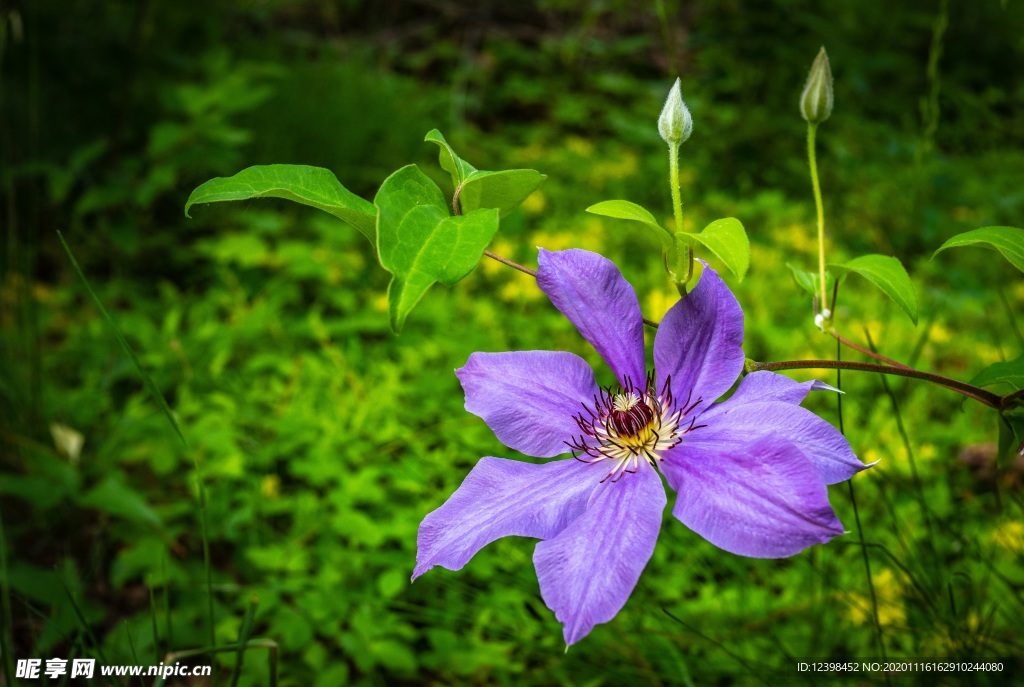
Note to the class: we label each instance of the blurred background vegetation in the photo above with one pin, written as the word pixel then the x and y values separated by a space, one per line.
pixel 323 440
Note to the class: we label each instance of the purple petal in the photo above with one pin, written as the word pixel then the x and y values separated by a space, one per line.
pixel 699 342
pixel 588 571
pixel 529 398
pixel 589 290
pixel 501 498
pixel 765 500
pixel 732 425
pixel 769 386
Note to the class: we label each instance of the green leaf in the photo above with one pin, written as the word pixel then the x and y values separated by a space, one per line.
pixel 623 209
pixel 419 243
pixel 888 274
pixel 1007 240
pixel 450 162
pixel 810 282
pixel 1010 372
pixel 313 186
pixel 727 239
pixel 477 189
pixel 504 190
pixel 115 497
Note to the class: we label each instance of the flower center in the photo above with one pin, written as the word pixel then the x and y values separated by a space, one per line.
pixel 630 416
pixel 629 424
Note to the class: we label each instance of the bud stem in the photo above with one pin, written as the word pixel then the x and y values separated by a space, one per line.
pixel 677 206
pixel 812 159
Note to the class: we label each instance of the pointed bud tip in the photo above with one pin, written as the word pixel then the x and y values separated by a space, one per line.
pixel 817 99
pixel 675 123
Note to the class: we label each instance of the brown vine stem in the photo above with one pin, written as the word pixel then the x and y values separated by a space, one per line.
pixel 533 273
pixel 867 351
pixel 1010 399
pixel 509 263
pixel 978 394
pixel 891 368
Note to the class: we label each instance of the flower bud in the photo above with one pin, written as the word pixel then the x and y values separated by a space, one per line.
pixel 816 100
pixel 675 123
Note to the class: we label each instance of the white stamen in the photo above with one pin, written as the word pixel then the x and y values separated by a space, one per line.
pixel 625 401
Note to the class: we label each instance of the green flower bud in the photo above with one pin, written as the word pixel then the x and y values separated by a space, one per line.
pixel 675 123
pixel 816 100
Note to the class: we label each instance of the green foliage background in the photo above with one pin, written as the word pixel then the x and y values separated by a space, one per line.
pixel 323 440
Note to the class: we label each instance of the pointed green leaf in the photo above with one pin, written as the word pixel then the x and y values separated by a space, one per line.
pixel 313 186
pixel 727 239
pixel 503 190
pixel 1009 372
pixel 888 274
pixel 1007 240
pixel 450 162
pixel 810 281
pixel 623 209
pixel 419 243
pixel 477 189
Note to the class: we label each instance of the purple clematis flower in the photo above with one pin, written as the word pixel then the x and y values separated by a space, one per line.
pixel 750 472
